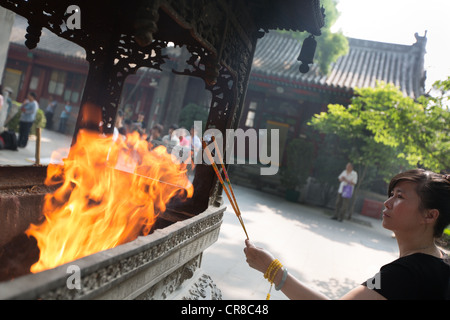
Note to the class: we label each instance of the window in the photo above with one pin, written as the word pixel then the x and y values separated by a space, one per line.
pixel 56 83
pixel 74 86
pixel 35 77
pixel 250 121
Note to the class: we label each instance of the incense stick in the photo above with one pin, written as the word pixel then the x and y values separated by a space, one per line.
pixel 219 176
pixel 225 173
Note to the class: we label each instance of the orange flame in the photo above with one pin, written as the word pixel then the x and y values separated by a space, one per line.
pixel 99 205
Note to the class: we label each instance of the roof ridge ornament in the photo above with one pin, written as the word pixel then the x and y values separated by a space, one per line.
pixel 307 52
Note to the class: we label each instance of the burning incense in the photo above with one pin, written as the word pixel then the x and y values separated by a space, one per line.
pixel 219 176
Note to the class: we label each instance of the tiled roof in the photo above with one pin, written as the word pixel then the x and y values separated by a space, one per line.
pixel 276 55
pixel 48 41
pixel 366 62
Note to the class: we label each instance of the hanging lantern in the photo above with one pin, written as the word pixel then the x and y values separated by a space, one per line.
pixel 33 35
pixel 306 56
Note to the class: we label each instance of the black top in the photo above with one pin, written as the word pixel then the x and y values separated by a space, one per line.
pixel 417 276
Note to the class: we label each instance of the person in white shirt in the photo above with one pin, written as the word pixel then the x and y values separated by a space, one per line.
pixel 170 139
pixel 348 179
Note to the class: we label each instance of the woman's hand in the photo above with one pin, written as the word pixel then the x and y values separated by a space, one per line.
pixel 260 259
pixel 257 258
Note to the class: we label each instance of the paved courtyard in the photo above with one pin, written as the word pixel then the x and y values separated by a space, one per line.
pixel 50 141
pixel 330 256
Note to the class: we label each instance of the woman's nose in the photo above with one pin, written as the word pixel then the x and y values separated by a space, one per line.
pixel 387 203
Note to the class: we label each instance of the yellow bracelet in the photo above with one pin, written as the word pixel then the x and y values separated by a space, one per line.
pixel 270 268
pixel 274 272
pixel 271 272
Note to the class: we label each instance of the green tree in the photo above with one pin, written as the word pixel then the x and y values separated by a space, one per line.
pixel 330 46
pixel 351 125
pixel 190 113
pixel 328 164
pixel 419 129
pixel 299 153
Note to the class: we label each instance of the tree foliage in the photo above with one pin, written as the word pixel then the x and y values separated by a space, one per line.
pixel 357 142
pixel 420 129
pixel 190 113
pixel 299 161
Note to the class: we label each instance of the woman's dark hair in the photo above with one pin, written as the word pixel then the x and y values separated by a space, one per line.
pixel 434 192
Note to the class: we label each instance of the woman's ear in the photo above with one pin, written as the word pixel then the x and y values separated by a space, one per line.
pixel 431 215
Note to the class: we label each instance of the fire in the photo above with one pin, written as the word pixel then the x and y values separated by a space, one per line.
pixel 110 193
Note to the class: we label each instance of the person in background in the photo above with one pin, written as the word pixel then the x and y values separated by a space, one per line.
pixel 348 179
pixel 155 133
pixel 169 139
pixel 29 110
pixel 118 126
pixel 127 127
pixel 65 114
pixel 50 111
pixel 3 109
pixel 194 142
pixel 7 92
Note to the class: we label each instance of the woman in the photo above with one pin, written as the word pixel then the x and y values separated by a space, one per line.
pixel 417 211
pixel 29 110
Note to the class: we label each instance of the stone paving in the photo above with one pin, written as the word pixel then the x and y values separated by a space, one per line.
pixel 50 141
pixel 329 256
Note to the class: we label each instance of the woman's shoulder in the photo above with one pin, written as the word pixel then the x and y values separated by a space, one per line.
pixel 416 276
pixel 422 257
pixel 424 265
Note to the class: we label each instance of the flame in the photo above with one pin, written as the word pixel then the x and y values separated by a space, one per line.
pixel 110 193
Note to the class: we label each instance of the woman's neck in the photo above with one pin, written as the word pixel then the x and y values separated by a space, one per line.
pixel 408 246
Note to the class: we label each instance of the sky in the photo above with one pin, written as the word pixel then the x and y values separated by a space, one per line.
pixel 396 21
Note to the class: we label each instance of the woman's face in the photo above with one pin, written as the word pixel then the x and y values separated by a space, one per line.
pixel 401 212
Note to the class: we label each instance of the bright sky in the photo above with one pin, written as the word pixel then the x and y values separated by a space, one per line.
pixel 396 21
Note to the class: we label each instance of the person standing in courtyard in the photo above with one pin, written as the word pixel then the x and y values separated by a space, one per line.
pixel 3 109
pixel 348 179
pixel 65 114
pixel 29 110
pixel 417 211
pixel 50 111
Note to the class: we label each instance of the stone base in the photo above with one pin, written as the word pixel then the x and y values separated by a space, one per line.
pixel 187 283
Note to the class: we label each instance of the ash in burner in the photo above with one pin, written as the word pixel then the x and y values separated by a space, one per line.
pixel 17 256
